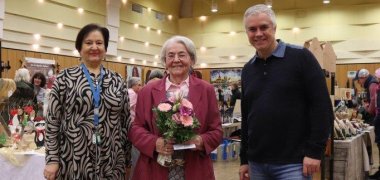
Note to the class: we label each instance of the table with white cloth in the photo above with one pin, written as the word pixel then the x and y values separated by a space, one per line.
pixel 353 156
pixel 228 128
pixel 22 165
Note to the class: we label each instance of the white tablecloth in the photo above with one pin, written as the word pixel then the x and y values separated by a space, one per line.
pixel 31 167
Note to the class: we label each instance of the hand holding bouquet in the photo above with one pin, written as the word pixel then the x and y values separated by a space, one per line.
pixel 175 121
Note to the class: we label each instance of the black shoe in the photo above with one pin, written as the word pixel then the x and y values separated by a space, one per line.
pixel 375 176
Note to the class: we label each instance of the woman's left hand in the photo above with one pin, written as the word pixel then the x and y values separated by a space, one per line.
pixel 198 141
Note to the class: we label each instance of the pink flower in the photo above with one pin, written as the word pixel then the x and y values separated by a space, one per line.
pixel 186 103
pixel 164 107
pixel 176 118
pixel 186 120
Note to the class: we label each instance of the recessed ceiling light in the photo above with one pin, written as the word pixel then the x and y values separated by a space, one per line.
pixel 80 10
pixel 121 38
pixel 75 52
pixel 149 9
pixel 144 62
pixel 40 1
pixel 56 49
pixel 296 30
pixel 326 1
pixel 119 58
pixel 155 63
pixel 202 18
pixel 136 25
pixel 37 36
pixel 158 31
pixel 124 1
pixel 232 57
pixel 132 60
pixel 59 25
pixel 202 48
pixel 148 28
pixel 156 56
pixel 232 33
pixel 170 17
pixel 146 44
pixel 203 65
pixel 35 46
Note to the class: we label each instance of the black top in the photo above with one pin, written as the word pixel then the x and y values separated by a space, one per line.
pixel 286 109
pixel 236 94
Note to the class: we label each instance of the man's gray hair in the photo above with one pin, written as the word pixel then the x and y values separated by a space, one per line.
pixel 156 74
pixel 188 43
pixel 133 81
pixel 22 74
pixel 260 8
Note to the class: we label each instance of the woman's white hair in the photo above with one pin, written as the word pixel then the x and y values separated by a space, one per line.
pixel 22 74
pixel 188 43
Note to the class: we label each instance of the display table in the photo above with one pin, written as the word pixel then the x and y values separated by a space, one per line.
pixel 24 166
pixel 228 128
pixel 351 156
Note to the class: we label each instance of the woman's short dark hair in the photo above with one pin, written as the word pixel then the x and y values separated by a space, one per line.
pixel 41 76
pixel 83 33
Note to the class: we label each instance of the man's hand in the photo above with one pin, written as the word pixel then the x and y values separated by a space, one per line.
pixel 243 172
pixel 310 166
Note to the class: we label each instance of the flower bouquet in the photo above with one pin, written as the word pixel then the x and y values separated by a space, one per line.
pixel 175 121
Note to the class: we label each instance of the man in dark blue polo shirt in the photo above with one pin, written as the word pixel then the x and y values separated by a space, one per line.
pixel 286 109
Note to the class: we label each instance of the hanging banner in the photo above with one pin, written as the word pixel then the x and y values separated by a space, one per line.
pixel 39 65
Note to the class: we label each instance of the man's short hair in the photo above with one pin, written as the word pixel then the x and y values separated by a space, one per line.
pixel 261 8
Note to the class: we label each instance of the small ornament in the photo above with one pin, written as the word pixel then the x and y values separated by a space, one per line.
pixel 39 138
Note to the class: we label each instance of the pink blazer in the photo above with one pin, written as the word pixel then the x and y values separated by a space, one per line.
pixel 144 133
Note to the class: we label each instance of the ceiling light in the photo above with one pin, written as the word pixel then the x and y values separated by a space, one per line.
pixel 214 6
pixel 156 56
pixel 326 1
pixel 121 38
pixel 158 31
pixel 296 30
pixel 149 9
pixel 124 1
pixel 75 52
pixel 232 33
pixel 146 44
pixel 37 36
pixel 147 28
pixel 56 49
pixel 203 65
pixel 170 17
pixel 154 63
pixel 40 1
pixel 136 26
pixel 232 57
pixel 144 62
pixel 202 18
pixel 35 46
pixel 80 10
pixel 119 58
pixel 202 48
pixel 59 25
pixel 132 60
pixel 268 3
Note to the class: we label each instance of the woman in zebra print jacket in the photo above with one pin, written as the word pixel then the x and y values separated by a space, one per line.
pixel 88 116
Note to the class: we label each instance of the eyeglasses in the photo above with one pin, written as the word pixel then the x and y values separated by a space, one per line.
pixel 180 56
